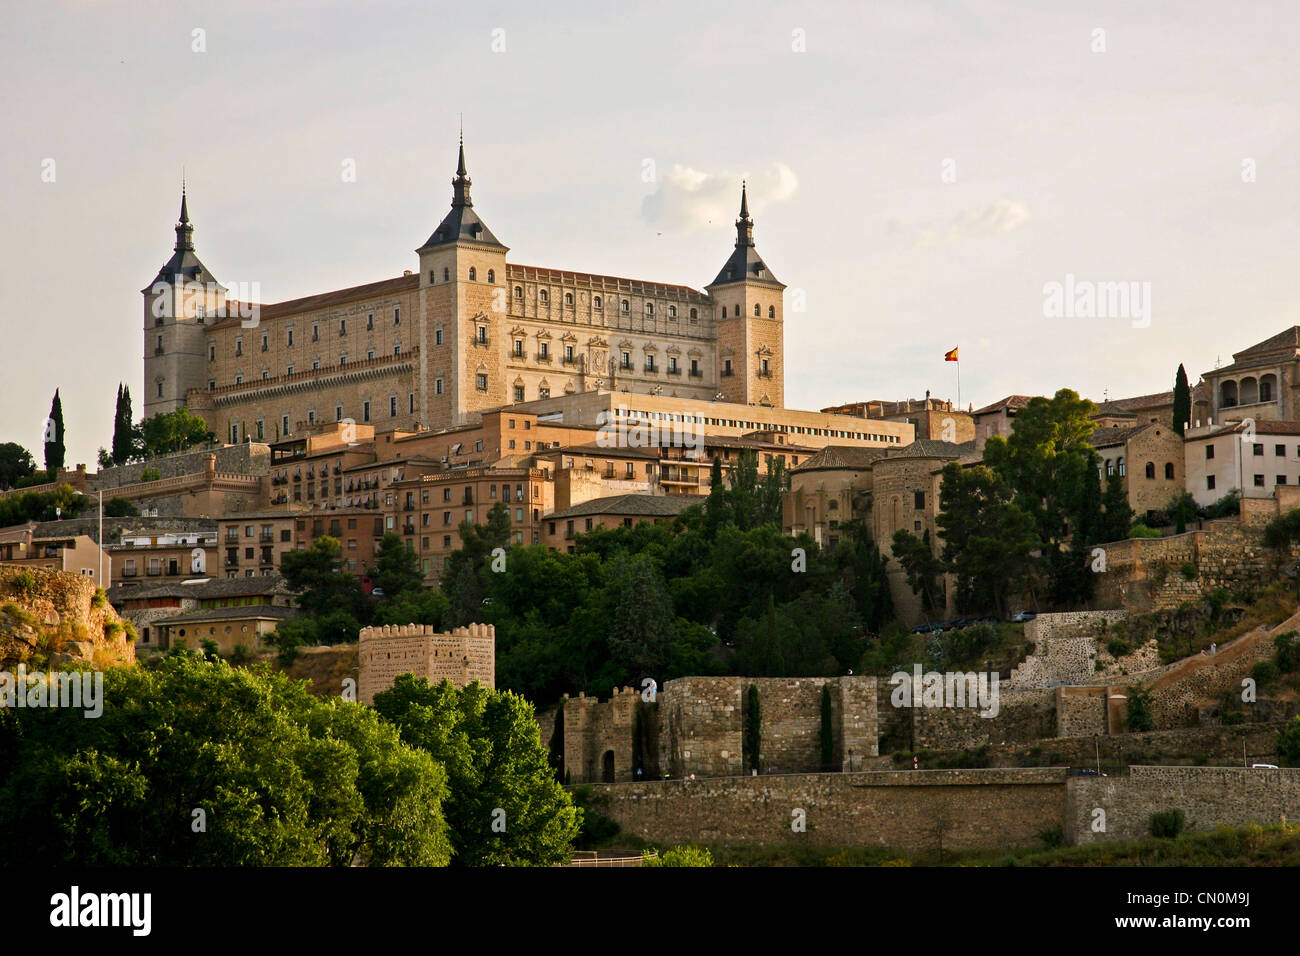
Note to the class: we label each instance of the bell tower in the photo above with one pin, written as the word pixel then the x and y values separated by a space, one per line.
pixel 462 313
pixel 181 302
pixel 751 369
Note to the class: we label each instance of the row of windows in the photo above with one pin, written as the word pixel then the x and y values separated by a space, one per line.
pixel 624 305
pixel 260 431
pixel 315 335
pixel 754 426
pixel 1119 466
pixel 758 311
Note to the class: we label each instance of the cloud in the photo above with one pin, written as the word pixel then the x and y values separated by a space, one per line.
pixel 979 222
pixel 687 199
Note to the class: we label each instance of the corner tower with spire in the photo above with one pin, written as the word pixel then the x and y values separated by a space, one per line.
pixel 179 305
pixel 750 314
pixel 462 310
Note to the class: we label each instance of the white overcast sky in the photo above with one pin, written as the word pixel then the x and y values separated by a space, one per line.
pixel 1124 165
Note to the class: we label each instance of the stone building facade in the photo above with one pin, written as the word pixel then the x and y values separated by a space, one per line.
pixel 468 332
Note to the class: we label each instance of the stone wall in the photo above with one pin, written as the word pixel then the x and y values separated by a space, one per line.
pixel 1144 574
pixel 249 458
pixel 911 811
pixel 1209 797
pixel 462 656
pixel 598 736
pixel 1065 648
pixel 1023 714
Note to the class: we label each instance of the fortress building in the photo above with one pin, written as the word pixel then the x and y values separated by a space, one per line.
pixel 468 332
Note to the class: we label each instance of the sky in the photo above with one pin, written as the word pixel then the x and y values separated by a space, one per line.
pixel 921 174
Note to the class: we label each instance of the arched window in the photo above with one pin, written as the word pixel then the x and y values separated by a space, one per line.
pixel 1267 386
pixel 1169 470
pixel 649 308
pixel 625 306
pixel 1227 394
pixel 758 310
pixel 1119 463
pixel 1151 469
pixel 568 298
pixel 473 274
pixel 695 313
pixel 446 275
pixel 1110 467
pixel 595 301
pixel 771 312
pixel 672 312
pixel 519 292
pixel 543 296
pixel 1249 391
pixel 492 275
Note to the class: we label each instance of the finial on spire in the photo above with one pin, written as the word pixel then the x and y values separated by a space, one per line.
pixel 744 225
pixel 461 184
pixel 744 201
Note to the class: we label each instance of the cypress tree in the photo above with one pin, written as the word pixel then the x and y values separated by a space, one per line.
pixel 1182 400
pixel 828 740
pixel 753 728
pixel 122 427
pixel 54 451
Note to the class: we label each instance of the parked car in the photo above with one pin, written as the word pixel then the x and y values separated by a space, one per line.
pixel 1023 616
pixel 924 628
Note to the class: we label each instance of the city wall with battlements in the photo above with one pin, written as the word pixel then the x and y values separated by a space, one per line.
pixel 462 656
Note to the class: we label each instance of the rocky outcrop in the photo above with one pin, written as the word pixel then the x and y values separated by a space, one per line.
pixel 55 619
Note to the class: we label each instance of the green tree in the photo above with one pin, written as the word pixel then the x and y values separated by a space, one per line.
pixel 15 462
pixel 916 557
pixel 467 567
pixel 1182 508
pixel 639 619
pixel 1182 414
pixel 753 727
pixel 125 435
pixel 324 587
pixel 988 540
pixel 827 731
pixel 1117 514
pixel 1288 742
pixel 505 806
pixel 170 432
pixel 120 508
pixel 1138 716
pixel 678 856
pixel 54 450
pixel 284 778
pixel 397 568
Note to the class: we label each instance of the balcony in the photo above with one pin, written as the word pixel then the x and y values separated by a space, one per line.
pixel 267 536
pixel 408 529
pixel 727 373
pixel 697 373
pixel 568 361
pixel 129 572
pixel 674 371
pixel 764 373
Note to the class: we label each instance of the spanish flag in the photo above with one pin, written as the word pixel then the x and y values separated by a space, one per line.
pixel 950 356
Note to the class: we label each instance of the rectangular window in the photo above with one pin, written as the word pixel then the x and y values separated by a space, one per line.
pixel 397 317
pixel 437 386
pixel 365 411
pixel 290 342
pixel 1259 481
pixel 482 382
pixel 343 326
pixel 392 406
pixel 1209 452
pixel 918 501
pixel 1281 479
pixel 519 393
pixel 1279 450
pixel 284 425
pixel 437 337
pixel 370 320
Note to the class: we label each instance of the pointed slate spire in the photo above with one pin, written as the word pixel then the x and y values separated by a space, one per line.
pixel 744 264
pixel 461 224
pixel 184 230
pixel 460 185
pixel 744 225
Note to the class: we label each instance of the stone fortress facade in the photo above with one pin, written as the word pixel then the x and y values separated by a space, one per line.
pixel 462 656
pixel 469 331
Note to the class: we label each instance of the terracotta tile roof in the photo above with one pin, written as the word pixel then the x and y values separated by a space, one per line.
pixel 1011 401
pixel 323 300
pixel 842 456
pixel 631 506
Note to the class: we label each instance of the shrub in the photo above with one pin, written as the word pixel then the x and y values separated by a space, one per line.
pixel 100 600
pixel 1167 824
pixel 150 474
pixel 1138 717
pixel 1052 837
pixel 1189 571
pixel 1140 530
pixel 210 648
pixel 1264 673
pixel 680 856
pixel 23 584
pixel 240 654
pixel 1118 647
pixel 1288 742
pixel 1288 652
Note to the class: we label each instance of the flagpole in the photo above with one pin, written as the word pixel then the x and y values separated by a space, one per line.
pixel 959 382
